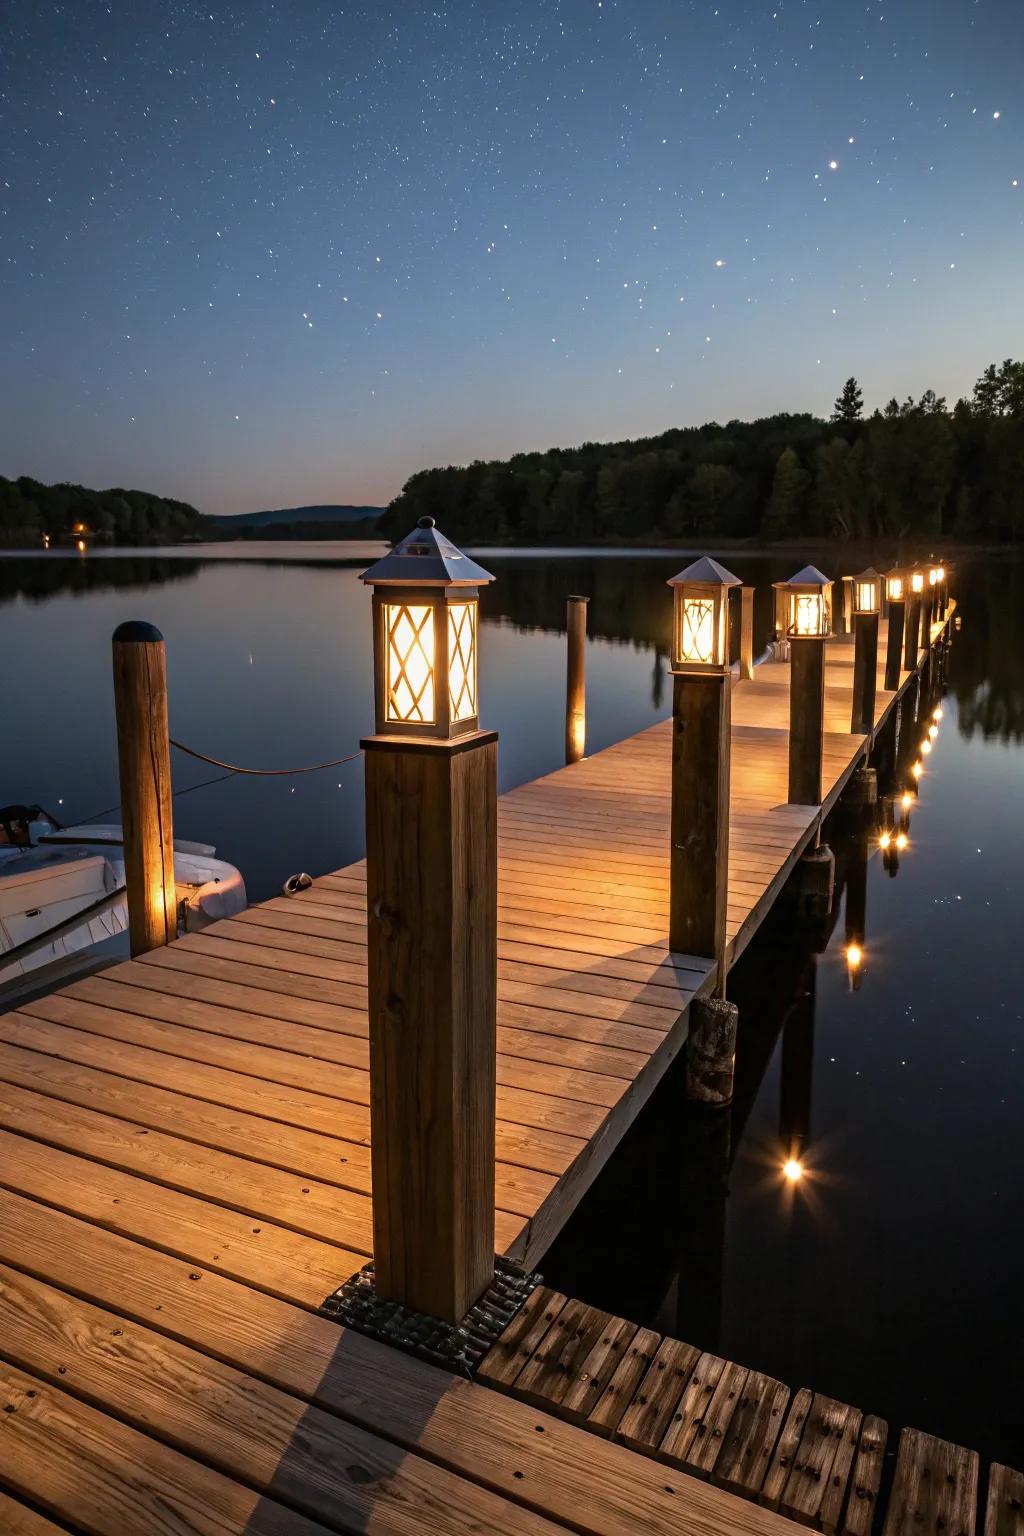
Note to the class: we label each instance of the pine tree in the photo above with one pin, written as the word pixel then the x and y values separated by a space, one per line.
pixel 784 515
pixel 849 404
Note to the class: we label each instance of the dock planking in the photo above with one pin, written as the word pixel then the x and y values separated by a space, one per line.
pixel 185 1174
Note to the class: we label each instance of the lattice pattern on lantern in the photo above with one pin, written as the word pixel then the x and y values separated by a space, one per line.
pixel 866 600
pixel 895 584
pixel 462 660
pixel 697 641
pixel 410 662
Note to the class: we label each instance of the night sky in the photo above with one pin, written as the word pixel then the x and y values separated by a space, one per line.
pixel 259 255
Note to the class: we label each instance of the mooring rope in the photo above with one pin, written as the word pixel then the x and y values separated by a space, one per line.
pixel 262 772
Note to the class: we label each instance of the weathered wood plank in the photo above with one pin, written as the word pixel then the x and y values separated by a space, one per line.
pixel 866 1477
pixel 16 1519
pixel 749 1440
pixel 1004 1506
pixel 633 1365
pixel 935 1488
pixel 514 1349
pixel 643 1425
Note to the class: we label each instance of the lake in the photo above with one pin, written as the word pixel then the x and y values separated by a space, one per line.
pixel 893 1276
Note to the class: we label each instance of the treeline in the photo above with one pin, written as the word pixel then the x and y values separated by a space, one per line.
pixel 29 511
pixel 916 469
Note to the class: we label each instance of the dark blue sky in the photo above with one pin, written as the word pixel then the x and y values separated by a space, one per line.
pixel 257 255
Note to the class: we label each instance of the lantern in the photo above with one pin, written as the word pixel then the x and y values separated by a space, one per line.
pixel 866 588
pixel 895 586
pixel 700 617
pixel 934 575
pixel 809 604
pixel 917 581
pixel 425 621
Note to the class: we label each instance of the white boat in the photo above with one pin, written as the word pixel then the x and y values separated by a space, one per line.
pixel 63 909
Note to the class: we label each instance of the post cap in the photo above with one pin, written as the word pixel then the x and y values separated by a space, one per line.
pixel 425 558
pixel 704 572
pixel 138 630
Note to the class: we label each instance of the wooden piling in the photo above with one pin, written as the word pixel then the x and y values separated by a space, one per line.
pixel 699 833
pixel 144 768
pixel 865 670
pixel 847 604
pixel 806 719
pixel 894 644
pixel 711 1050
pixel 575 682
pixel 431 896
pixel 746 633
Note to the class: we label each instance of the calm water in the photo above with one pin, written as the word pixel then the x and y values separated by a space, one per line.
pixel 894 1278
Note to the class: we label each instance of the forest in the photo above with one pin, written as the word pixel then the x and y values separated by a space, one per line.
pixel 916 469
pixel 31 512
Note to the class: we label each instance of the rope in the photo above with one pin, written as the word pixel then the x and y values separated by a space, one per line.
pixel 108 810
pixel 263 772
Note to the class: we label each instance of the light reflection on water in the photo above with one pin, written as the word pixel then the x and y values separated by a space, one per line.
pixel 890 1274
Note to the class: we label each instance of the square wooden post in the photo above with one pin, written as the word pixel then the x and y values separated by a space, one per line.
pixel 847 605
pixel 894 644
pixel 912 628
pixel 431 896
pixel 699 864
pixel 746 633
pixel 865 669
pixel 806 718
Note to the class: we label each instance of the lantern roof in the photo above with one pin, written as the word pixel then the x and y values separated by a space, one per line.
pixel 425 558
pixel 870 574
pixel 704 572
pixel 810 576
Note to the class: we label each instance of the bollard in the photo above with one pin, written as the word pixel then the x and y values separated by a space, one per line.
pixel 813 882
pixel 575 678
pixel 894 643
pixel 144 769
pixel 711 1050
pixel 431 901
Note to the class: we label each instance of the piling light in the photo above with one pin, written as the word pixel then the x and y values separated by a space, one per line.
pixel 916 581
pixel 793 1170
pixel 917 769
pixel 700 617
pixel 934 575
pixel 809 604
pixel 854 956
pixel 885 840
pixel 895 585
pixel 926 746
pixel 425 623
pixel 901 840
pixel 80 546
pixel 933 731
pixel 866 591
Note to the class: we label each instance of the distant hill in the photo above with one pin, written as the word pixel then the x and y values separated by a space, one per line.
pixel 340 522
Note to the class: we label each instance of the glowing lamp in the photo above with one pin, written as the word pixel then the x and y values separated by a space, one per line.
pixel 80 546
pixel 934 575
pixel 926 746
pixel 884 841
pixel 425 621
pixel 792 1170
pixel 808 597
pixel 895 586
pixel 866 589
pixel 917 769
pixel 906 800
pixel 917 581
pixel 941 572
pixel 937 712
pixel 933 731
pixel 700 617
pixel 901 840
pixel 854 956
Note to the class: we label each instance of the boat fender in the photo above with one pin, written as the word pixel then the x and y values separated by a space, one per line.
pixel 296 883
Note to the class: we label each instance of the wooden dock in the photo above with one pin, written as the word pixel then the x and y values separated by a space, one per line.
pixel 816 1461
pixel 185 1176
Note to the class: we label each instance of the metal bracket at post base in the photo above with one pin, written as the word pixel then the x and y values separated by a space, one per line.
pixel 456 1347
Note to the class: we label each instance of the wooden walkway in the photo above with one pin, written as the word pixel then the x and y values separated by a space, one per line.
pixel 185 1176
pixel 815 1460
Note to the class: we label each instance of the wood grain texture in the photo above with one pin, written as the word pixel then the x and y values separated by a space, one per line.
pixel 699 833
pixel 144 771
pixel 431 901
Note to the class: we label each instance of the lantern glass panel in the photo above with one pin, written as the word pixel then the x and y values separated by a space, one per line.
pixel 867 602
pixel 917 581
pixel 409 631
pixel 895 585
pixel 808 613
pixel 697 630
pixel 933 575
pixel 462 661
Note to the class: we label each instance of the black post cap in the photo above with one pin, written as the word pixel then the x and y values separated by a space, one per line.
pixel 137 629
